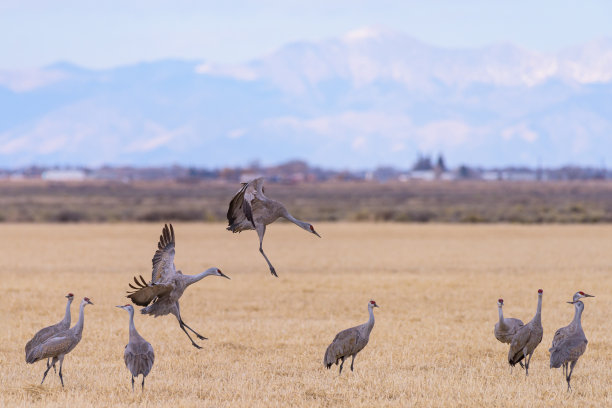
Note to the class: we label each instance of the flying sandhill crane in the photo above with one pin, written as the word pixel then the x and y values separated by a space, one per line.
pixel 564 331
pixel 59 345
pixel 250 209
pixel 527 338
pixel 50 331
pixel 507 327
pixel 569 349
pixel 349 342
pixel 138 354
pixel 167 284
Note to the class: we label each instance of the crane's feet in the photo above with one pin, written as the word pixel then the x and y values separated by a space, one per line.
pixel 199 336
pixel 196 346
pixel 273 272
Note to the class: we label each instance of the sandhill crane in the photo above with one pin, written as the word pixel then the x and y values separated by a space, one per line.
pixel 527 338
pixel 59 345
pixel 349 342
pixel 50 331
pixel 167 284
pixel 250 209
pixel 564 331
pixel 506 327
pixel 138 354
pixel 569 349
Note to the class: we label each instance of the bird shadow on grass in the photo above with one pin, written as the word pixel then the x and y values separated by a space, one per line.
pixel 36 392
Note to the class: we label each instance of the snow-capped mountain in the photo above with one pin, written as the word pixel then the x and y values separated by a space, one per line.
pixel 369 98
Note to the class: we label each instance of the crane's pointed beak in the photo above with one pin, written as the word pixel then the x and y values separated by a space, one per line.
pixel 224 275
pixel 587 295
pixel 376 305
pixel 571 303
pixel 120 307
pixel 316 233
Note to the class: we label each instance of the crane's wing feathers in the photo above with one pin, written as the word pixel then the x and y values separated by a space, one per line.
pixel 520 339
pixel 51 347
pixel 569 349
pixel 243 204
pixel 163 260
pixel 345 343
pixel 145 293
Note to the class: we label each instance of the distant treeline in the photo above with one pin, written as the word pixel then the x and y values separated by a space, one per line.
pixel 412 201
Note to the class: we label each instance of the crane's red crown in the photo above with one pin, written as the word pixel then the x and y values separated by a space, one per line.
pixel 70 294
pixel 372 302
pixel 540 291
pixel 500 300
pixel 312 228
pixel 218 270
pixel 582 293
pixel 86 299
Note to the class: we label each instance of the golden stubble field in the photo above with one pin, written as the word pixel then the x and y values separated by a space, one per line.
pixel 432 344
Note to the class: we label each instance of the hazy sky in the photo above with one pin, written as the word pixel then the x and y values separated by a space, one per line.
pixel 100 34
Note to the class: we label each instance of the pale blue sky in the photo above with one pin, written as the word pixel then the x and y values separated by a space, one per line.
pixel 100 34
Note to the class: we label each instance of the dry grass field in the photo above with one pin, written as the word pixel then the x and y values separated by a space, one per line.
pixel 432 344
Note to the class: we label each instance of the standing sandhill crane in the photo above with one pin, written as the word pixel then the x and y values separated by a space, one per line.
pixel 349 342
pixel 527 338
pixel 61 344
pixel 507 327
pixel 569 349
pixel 50 331
pixel 167 284
pixel 564 331
pixel 250 209
pixel 138 354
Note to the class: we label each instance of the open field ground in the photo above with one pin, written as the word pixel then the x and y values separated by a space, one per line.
pixel 414 201
pixel 432 344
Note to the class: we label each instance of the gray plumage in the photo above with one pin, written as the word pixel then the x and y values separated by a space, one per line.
pixel 138 354
pixel 527 338
pixel 561 333
pixel 50 331
pixel 59 345
pixel 250 209
pixel 161 295
pixel 506 327
pixel 349 342
pixel 568 349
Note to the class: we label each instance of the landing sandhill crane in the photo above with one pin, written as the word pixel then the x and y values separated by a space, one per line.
pixel 527 338
pixel 349 342
pixel 564 331
pixel 50 331
pixel 506 327
pixel 569 349
pixel 59 345
pixel 167 284
pixel 138 354
pixel 250 209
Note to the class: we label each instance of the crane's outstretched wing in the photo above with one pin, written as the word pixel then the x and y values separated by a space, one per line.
pixel 144 293
pixel 240 211
pixel 163 260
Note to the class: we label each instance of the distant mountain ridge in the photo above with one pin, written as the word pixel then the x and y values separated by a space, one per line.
pixel 369 98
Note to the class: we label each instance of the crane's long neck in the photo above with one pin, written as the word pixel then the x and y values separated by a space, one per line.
pixel 370 323
pixel 577 322
pixel 133 332
pixel 78 328
pixel 191 279
pixel 501 315
pixel 67 316
pixel 294 220
pixel 538 316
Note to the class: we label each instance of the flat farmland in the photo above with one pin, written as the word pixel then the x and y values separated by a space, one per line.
pixel 432 344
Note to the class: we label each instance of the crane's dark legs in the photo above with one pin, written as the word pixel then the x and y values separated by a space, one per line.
pixel 47 370
pixel 341 364
pixel 143 377
pixel 569 377
pixel 60 371
pixel 182 325
pixel 48 365
pixel 352 361
pixel 261 230
pixel 527 363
